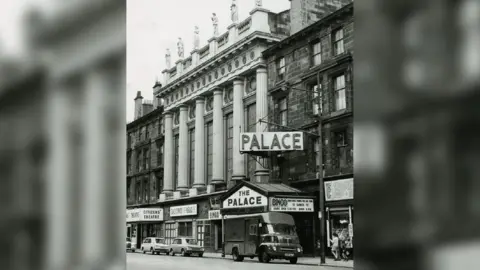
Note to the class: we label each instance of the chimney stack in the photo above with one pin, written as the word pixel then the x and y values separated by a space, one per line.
pixel 138 105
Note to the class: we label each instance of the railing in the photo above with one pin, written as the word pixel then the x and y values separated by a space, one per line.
pixel 245 25
pixel 222 40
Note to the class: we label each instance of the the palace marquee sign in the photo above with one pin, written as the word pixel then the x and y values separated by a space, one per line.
pixel 245 198
pixel 271 141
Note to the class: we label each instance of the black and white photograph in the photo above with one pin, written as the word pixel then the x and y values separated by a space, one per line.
pixel 239 134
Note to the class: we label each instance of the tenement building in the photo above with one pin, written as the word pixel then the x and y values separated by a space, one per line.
pixel 310 89
pixel 144 169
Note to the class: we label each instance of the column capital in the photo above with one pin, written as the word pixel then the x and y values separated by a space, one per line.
pixel 199 99
pixel 238 80
pixel 167 114
pixel 262 68
pixel 217 91
pixel 183 107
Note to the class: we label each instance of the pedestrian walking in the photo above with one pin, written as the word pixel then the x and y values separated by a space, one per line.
pixel 335 246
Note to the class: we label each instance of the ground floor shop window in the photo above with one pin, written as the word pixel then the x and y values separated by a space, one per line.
pixel 185 229
pixel 204 234
pixel 170 232
pixel 158 230
pixel 340 221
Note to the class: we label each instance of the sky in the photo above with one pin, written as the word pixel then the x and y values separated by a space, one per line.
pixel 152 27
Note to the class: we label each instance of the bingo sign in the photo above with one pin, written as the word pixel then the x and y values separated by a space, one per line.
pixel 291 205
pixel 184 210
pixel 245 198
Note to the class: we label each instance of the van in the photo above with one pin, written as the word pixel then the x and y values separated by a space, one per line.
pixel 268 236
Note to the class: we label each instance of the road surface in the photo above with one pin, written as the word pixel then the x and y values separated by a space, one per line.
pixel 139 261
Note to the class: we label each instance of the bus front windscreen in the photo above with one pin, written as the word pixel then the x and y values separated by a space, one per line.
pixel 284 229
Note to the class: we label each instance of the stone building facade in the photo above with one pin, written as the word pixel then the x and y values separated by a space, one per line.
pixel 310 88
pixel 210 97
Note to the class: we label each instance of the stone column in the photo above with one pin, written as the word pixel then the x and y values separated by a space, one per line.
pixel 261 171
pixel 93 187
pixel 218 168
pixel 169 161
pixel 199 143
pixel 183 149
pixel 238 127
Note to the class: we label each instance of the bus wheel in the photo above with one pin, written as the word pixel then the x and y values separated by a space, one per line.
pixel 236 257
pixel 263 257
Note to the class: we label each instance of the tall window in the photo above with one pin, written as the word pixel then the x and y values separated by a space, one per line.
pixel 341 144
pixel 338 45
pixel 282 112
pixel 139 161
pixel 138 190
pixel 317 99
pixel 176 161
pixel 147 131
pixel 229 146
pixel 209 151
pixel 251 127
pixel 159 181
pixel 170 232
pixel 159 146
pixel 146 159
pixel 281 68
pixel 317 53
pixel 339 87
pixel 185 229
pixel 192 156
pixel 129 140
pixel 160 126
pixel 146 189
pixel 129 163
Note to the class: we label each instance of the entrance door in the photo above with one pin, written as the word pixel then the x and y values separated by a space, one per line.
pixel 219 236
pixel 251 236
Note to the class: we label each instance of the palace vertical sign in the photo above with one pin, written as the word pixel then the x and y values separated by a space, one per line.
pixel 271 141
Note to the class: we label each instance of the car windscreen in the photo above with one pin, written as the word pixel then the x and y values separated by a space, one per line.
pixel 191 241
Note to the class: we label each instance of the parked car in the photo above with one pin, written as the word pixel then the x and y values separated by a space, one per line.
pixel 130 245
pixel 186 246
pixel 154 245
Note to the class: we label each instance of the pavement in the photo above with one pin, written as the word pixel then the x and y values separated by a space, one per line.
pixel 213 261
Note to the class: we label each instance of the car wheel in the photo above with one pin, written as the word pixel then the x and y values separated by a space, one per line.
pixel 171 252
pixel 151 251
pixel 200 254
pixel 293 260
pixel 143 250
pixel 183 253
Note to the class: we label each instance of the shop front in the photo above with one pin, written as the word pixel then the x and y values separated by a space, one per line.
pixel 339 208
pixel 144 222
pixel 199 220
pixel 248 198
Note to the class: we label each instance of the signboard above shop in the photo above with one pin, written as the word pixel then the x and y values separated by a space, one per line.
pixel 183 210
pixel 214 215
pixel 271 141
pixel 291 205
pixel 245 198
pixel 144 215
pixel 339 190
